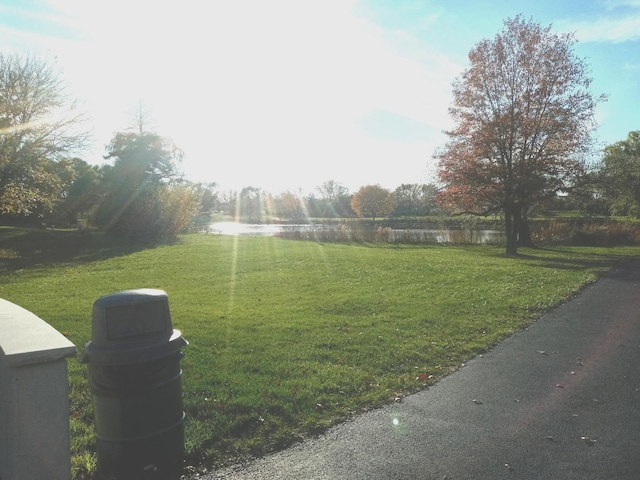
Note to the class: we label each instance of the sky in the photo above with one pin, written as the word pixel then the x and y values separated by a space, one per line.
pixel 285 95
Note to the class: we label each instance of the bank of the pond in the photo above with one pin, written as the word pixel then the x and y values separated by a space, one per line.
pixel 560 231
pixel 346 232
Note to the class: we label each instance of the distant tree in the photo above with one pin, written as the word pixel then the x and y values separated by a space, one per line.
pixel 289 205
pixel 209 197
pixel 620 175
pixel 414 199
pixel 315 206
pixel 39 124
pixel 250 204
pixel 144 157
pixel 227 201
pixel 523 117
pixel 332 190
pixel 372 201
pixel 333 200
pixel 31 189
pixel 135 189
pixel 179 203
pixel 80 195
pixel 587 198
pixel 140 119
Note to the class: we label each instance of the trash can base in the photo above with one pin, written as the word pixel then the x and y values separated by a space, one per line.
pixel 157 458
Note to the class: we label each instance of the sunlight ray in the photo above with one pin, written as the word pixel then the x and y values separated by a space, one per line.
pixel 234 259
pixel 127 203
pixel 20 127
pixel 331 210
pixel 232 280
pixel 307 216
pixel 233 276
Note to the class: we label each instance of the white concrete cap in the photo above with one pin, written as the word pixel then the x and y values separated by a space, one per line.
pixel 25 339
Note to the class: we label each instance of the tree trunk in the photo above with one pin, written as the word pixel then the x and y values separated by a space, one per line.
pixel 524 232
pixel 511 231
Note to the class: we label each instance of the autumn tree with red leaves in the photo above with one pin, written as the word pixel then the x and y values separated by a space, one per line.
pixel 523 122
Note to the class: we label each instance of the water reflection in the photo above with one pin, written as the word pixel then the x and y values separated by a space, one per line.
pixel 235 228
pixel 344 232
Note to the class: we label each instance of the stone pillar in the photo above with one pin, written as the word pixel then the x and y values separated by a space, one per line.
pixel 34 397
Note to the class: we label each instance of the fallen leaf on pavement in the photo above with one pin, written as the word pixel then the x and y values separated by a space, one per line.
pixel 588 441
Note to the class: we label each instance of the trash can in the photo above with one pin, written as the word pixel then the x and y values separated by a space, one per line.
pixel 133 360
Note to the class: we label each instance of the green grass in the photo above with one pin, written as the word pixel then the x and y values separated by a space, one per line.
pixel 288 338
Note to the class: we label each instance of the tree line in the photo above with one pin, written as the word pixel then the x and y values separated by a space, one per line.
pixel 329 200
pixel 522 140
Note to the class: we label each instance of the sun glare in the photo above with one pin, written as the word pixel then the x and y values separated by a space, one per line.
pixel 257 96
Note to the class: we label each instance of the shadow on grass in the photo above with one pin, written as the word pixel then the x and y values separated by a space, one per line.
pixel 544 256
pixel 23 248
pixel 556 259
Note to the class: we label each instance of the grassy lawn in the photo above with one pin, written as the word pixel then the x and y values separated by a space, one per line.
pixel 288 337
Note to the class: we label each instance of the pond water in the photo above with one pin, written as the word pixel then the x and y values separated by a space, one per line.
pixel 235 228
pixel 342 232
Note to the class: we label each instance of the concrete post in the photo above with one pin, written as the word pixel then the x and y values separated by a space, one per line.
pixel 34 397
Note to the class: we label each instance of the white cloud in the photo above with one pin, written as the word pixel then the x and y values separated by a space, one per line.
pixel 613 30
pixel 614 4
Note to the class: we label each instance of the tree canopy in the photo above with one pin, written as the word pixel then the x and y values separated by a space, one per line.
pixel 414 199
pixel 39 124
pixel 334 200
pixel 620 175
pixel 523 118
pixel 372 201
pixel 142 196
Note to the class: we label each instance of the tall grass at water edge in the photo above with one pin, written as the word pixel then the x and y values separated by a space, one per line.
pixel 289 337
pixel 577 232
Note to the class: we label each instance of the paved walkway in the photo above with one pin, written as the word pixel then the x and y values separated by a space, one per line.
pixel 558 401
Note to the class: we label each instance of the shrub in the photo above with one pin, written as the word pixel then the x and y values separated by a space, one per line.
pixel 579 233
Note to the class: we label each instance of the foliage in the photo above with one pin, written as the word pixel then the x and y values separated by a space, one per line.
pixel 414 199
pixel 287 338
pixel 372 201
pixel 249 204
pixel 584 200
pixel 28 189
pixel 210 197
pixel 80 194
pixel 620 175
pixel 333 201
pixel 39 125
pixel 178 203
pixel 289 205
pixel 577 232
pixel 144 157
pixel 141 198
pixel 523 117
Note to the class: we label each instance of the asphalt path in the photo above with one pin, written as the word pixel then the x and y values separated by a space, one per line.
pixel 559 400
